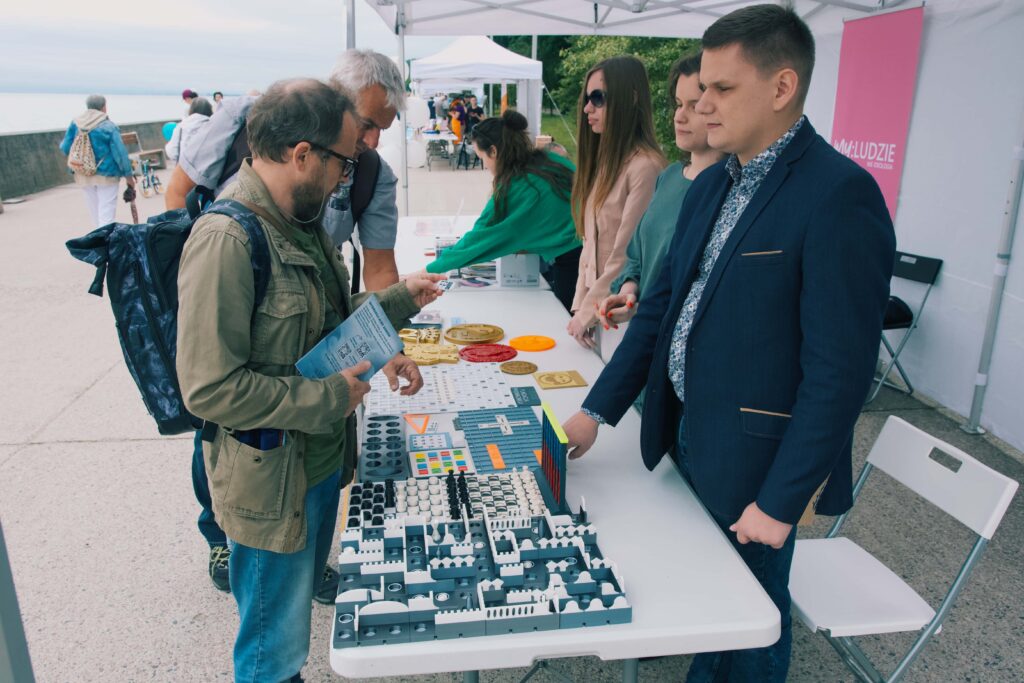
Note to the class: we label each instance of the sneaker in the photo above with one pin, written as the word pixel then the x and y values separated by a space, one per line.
pixel 328 589
pixel 219 555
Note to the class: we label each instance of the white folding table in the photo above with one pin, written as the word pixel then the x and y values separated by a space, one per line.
pixel 689 590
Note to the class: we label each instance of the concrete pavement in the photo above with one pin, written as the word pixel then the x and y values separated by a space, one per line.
pixel 99 514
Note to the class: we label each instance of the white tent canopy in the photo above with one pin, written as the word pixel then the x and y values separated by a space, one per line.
pixel 479 60
pixel 669 18
pixel 476 58
pixel 965 140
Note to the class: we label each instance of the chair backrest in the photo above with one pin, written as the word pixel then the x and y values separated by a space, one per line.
pixel 917 268
pixel 130 139
pixel 974 494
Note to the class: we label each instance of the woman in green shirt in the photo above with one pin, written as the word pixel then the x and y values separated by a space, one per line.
pixel 529 210
pixel 653 234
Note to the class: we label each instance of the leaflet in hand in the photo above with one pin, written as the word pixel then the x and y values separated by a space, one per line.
pixel 366 335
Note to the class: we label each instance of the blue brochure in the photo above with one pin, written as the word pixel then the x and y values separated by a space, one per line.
pixel 366 335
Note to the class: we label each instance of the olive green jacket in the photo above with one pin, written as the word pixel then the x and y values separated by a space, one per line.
pixel 238 370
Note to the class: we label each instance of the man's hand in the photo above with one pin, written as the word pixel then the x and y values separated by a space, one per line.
pixel 357 388
pixel 754 525
pixel 618 308
pixel 423 287
pixel 405 367
pixel 581 327
pixel 582 432
pixel 130 180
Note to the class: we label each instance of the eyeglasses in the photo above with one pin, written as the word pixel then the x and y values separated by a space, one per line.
pixel 594 97
pixel 348 164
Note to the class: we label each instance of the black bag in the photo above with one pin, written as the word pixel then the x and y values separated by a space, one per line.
pixel 140 264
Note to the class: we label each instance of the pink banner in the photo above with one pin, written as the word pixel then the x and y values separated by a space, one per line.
pixel 877 77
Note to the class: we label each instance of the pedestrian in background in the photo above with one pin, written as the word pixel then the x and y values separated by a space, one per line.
pixel 98 159
pixel 199 113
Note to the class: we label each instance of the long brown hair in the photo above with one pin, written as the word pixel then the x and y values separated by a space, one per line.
pixel 516 156
pixel 628 128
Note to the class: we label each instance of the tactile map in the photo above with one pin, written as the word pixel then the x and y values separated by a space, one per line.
pixel 449 389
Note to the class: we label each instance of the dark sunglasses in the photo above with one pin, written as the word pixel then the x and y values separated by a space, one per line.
pixel 348 164
pixel 594 97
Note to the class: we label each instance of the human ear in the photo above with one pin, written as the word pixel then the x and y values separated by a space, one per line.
pixel 786 85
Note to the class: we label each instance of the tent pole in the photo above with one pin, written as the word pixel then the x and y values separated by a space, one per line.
pixel 405 131
pixel 350 24
pixel 15 663
pixel 1010 215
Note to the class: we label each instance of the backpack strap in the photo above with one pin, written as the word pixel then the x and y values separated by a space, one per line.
pixel 363 188
pixel 259 257
pixel 260 252
pixel 198 198
pixel 365 183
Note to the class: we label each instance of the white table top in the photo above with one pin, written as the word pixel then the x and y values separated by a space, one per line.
pixel 417 234
pixel 689 590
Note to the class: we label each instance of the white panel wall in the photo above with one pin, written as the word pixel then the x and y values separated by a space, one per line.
pixel 968 115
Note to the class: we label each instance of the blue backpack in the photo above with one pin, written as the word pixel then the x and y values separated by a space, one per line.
pixel 140 264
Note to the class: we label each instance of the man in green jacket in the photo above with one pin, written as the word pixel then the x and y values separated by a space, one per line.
pixel 286 444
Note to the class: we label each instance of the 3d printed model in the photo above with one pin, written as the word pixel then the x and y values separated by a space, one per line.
pixel 446 389
pixel 503 438
pixel 441 572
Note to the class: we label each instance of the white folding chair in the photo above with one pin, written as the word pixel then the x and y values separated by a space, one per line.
pixel 842 592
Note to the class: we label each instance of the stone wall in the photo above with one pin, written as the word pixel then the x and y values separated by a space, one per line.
pixel 31 162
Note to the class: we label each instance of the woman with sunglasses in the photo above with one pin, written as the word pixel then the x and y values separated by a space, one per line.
pixel 529 209
pixel 650 241
pixel 619 163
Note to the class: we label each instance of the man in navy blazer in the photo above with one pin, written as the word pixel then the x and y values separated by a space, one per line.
pixel 759 339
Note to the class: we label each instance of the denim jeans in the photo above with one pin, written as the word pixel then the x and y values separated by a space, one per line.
pixel 274 592
pixel 208 526
pixel 771 569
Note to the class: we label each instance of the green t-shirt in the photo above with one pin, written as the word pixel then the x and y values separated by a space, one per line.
pixel 539 221
pixel 647 248
pixel 323 451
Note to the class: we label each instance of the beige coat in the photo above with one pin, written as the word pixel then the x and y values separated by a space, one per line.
pixel 606 234
pixel 238 370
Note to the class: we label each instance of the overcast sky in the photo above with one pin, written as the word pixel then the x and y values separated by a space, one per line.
pixel 140 46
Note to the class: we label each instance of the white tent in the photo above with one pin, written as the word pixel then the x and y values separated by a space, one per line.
pixel 670 18
pixel 965 141
pixel 478 60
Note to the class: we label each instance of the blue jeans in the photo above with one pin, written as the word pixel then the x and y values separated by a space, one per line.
pixel 274 592
pixel 208 526
pixel 771 569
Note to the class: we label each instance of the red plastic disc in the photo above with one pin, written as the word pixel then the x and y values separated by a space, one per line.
pixel 487 353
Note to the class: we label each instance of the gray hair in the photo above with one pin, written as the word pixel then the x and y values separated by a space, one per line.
pixel 292 111
pixel 201 105
pixel 358 69
pixel 96 102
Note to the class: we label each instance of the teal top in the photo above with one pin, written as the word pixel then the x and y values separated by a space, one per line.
pixel 647 248
pixel 539 221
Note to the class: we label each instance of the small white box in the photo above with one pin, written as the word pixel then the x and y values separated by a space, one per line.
pixel 519 270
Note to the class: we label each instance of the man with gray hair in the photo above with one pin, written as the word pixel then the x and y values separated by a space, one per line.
pixel 377 87
pixel 284 445
pixel 98 159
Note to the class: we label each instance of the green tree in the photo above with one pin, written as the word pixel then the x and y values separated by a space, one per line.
pixel 657 54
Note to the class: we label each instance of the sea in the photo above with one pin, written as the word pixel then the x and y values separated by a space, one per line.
pixel 30 112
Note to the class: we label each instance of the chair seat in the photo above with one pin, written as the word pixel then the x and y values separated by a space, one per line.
pixel 839 587
pixel 897 314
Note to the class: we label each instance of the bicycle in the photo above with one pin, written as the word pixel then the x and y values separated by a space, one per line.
pixel 150 182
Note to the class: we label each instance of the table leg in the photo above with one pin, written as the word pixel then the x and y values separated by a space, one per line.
pixel 470 677
pixel 630 670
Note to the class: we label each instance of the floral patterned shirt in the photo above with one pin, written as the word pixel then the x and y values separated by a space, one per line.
pixel 745 182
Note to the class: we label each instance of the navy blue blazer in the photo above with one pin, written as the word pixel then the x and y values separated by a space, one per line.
pixel 784 341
